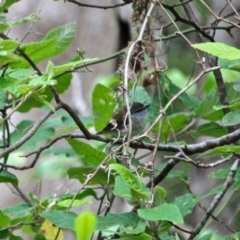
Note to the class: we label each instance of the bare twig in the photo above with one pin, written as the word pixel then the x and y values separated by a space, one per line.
pixel 96 6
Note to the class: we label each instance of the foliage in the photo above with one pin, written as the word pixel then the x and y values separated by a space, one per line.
pixel 178 116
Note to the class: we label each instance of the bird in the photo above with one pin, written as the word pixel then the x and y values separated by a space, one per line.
pixel 119 121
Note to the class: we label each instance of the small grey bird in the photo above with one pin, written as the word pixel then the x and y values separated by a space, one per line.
pixel 139 116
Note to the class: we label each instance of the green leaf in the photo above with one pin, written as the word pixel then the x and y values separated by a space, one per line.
pixel 231 118
pixel 139 94
pixel 8 177
pixel 64 35
pixel 7 4
pixel 230 64
pixel 126 219
pixel 4 27
pixel 88 154
pixel 124 191
pixel 3 98
pixel 61 219
pixel 130 180
pixel 37 51
pixel 180 175
pixel 80 173
pixel 186 203
pixel 165 212
pixel 225 151
pixel 210 129
pixel 218 49
pixel 167 236
pixel 71 66
pixel 44 133
pixel 8 45
pixel 62 84
pixel 33 17
pixel 159 196
pixel 85 225
pixel 49 70
pixel 121 189
pixel 170 90
pixel 76 203
pixel 206 107
pixel 221 173
pixel 140 228
pixel 4 220
pixel 20 210
pixel 142 236
pixel 207 236
pixel 13 237
pixel 7 57
pixel 103 105
pixel 4 234
pixel 236 185
pixel 175 123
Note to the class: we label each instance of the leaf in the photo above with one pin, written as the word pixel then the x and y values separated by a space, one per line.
pixel 50 231
pixel 139 94
pixel 13 237
pixel 231 118
pixel 49 70
pixel 206 107
pixel 7 57
pixel 62 84
pixel 4 220
pixel 7 4
pixel 142 236
pixel 224 151
pixel 210 129
pixel 64 35
pixel 76 203
pixel 159 196
pixel 8 177
pixel 61 219
pixel 230 64
pixel 130 180
pixel 170 90
pixel 218 49
pixel 71 66
pixel 221 173
pixel 126 219
pixel 8 45
pixel 175 123
pixel 165 212
pixel 186 203
pixel 20 210
pixel 124 191
pixel 103 105
pixel 101 178
pixel 37 51
pixel 180 175
pixel 88 154
pixel 33 17
pixel 3 98
pixel 44 133
pixel 85 225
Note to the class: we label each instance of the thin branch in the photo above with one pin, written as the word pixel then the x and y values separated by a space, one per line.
pixel 187 149
pixel 97 6
pixel 215 201
pixel 126 69
pixel 198 164
pixel 30 133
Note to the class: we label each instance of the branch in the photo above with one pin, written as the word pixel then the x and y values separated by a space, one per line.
pixel 97 6
pixel 216 200
pixel 30 133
